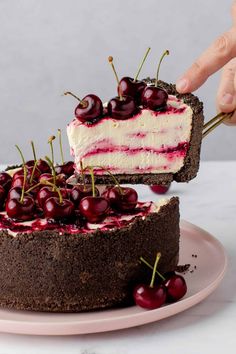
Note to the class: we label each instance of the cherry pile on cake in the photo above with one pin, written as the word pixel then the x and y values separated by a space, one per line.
pixel 72 238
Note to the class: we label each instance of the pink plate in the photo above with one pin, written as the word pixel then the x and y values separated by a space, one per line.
pixel 202 279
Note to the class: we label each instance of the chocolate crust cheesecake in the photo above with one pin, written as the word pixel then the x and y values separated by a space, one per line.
pixel 67 268
pixel 151 147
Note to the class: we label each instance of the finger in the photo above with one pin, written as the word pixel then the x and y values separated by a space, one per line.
pixel 213 59
pixel 233 13
pixel 226 95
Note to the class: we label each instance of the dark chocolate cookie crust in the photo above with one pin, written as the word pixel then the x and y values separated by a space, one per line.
pixel 46 271
pixel 191 163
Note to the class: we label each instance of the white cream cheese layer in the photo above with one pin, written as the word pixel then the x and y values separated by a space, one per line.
pixel 151 142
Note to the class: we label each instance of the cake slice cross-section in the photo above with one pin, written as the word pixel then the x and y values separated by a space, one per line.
pixel 151 147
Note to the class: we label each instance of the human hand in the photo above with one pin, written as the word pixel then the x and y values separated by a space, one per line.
pixel 220 54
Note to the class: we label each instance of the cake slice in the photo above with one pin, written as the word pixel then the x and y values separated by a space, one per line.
pixel 150 147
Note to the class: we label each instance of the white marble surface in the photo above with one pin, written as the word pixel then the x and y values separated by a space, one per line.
pixel 210 202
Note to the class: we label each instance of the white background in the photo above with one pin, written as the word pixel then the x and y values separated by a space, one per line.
pixel 47 47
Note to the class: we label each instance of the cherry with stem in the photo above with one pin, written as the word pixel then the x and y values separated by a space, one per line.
pixel 121 107
pixel 154 97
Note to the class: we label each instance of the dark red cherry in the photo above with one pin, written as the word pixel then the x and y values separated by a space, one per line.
pixel 42 165
pixel 80 191
pixel 160 189
pixel 94 209
pixel 89 108
pixel 14 193
pixel 154 98
pixel 44 194
pixel 46 177
pixel 121 108
pixel 54 209
pixel 149 297
pixel 18 181
pixel 5 181
pixel 2 197
pixel 127 200
pixel 29 173
pixel 129 87
pixel 20 210
pixel 61 180
pixel 176 287
pixel 67 168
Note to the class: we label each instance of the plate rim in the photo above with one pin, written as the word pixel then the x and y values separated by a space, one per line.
pixel 136 319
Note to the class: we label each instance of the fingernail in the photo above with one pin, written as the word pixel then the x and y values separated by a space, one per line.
pixel 226 99
pixel 181 85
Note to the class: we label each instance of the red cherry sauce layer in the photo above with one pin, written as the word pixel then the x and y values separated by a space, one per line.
pixel 79 225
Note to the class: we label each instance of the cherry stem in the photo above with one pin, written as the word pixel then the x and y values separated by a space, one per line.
pixel 54 187
pixel 82 175
pixel 50 140
pixel 113 177
pixel 141 65
pixel 151 267
pixel 110 60
pixel 33 187
pixel 61 149
pixel 52 168
pixel 166 52
pixel 33 149
pixel 25 173
pixel 84 104
pixel 33 172
pixel 92 181
pixel 158 256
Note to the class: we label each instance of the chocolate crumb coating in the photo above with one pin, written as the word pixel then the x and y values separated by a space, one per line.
pixel 191 162
pixel 48 271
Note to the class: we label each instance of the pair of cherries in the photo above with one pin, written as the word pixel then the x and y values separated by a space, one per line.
pixel 170 289
pixel 131 94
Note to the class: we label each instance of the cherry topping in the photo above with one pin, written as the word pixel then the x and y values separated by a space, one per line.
pixel 129 87
pixel 89 108
pixel 122 198
pixel 2 197
pixel 44 194
pixel 54 208
pixel 14 193
pixel 160 189
pixel 150 296
pixel 67 168
pixel 176 287
pixel 80 191
pixel 154 97
pixel 20 209
pixel 121 108
pixel 94 209
pixel 42 165
pixel 5 180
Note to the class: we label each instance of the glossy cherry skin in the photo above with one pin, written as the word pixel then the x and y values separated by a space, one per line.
pixel 149 298
pixel 53 209
pixel 154 98
pixel 125 201
pixel 19 182
pixel 20 211
pixel 68 168
pixel 129 87
pixel 80 191
pixel 94 209
pixel 44 194
pixel 121 109
pixel 89 109
pixel 42 165
pixel 2 197
pixel 14 193
pixel 30 169
pixel 5 181
pixel 46 177
pixel 176 287
pixel 160 189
